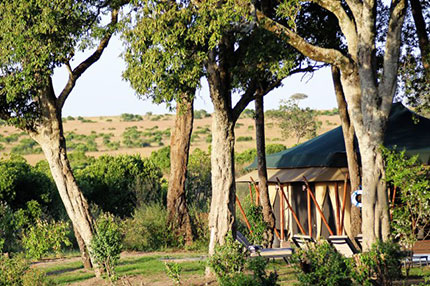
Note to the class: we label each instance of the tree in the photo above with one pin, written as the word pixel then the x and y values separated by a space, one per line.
pixel 295 121
pixel 160 68
pixel 37 37
pixel 369 88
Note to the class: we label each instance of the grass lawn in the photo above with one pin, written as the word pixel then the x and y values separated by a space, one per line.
pixel 149 269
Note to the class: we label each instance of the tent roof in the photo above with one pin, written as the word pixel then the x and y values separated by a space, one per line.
pixel 405 129
pixel 313 174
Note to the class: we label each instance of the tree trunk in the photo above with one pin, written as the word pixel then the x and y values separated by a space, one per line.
pixel 178 215
pixel 370 127
pixel 49 135
pixel 86 261
pixel 351 152
pixel 268 216
pixel 222 213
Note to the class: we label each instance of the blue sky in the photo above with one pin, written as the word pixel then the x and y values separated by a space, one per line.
pixel 101 91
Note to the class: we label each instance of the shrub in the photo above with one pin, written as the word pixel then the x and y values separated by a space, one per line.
pixel 119 184
pixel 380 265
pixel 198 183
pixel 131 117
pixel 107 244
pixel 42 237
pixel 147 229
pixel 26 146
pixel 230 262
pixel 199 114
pixel 259 226
pixel 16 272
pixel 244 138
pixel 161 158
pixel 321 264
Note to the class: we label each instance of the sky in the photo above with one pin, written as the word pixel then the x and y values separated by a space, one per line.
pixel 101 91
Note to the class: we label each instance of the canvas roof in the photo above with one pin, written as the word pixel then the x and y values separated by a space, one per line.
pixel 312 174
pixel 405 129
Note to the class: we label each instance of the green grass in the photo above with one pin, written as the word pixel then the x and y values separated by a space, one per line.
pixel 70 272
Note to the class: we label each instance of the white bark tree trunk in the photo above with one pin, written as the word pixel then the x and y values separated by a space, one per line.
pixel 222 214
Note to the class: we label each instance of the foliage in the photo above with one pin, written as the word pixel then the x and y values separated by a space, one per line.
pixel 17 177
pixel 44 236
pixel 412 216
pixel 201 113
pixel 231 260
pixel 161 159
pixel 119 184
pixel 244 138
pixel 147 229
pixel 106 244
pixel 198 184
pixel 228 260
pixel 380 265
pixel 44 35
pixel 16 271
pixel 321 264
pixel 200 226
pixel 173 270
pixel 259 226
pixel 8 229
pixel 26 146
pixel 295 121
pixel 127 117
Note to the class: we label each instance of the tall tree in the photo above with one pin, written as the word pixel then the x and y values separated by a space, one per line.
pixel 369 87
pixel 36 37
pixel 159 67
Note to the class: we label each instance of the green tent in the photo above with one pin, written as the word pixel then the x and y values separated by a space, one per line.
pixel 405 129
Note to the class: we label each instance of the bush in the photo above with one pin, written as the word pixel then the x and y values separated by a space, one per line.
pixel 107 244
pixel 244 138
pixel 16 272
pixel 119 184
pixel 380 265
pixel 198 184
pixel 147 229
pixel 230 263
pixel 321 265
pixel 161 158
pixel 131 117
pixel 43 237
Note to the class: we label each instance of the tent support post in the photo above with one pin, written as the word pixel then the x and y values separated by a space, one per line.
pixel 336 193
pixel 345 188
pixel 282 217
pixel 317 205
pixel 291 209
pixel 243 214
pixel 257 192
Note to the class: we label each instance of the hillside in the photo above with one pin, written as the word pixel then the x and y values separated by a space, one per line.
pixel 112 135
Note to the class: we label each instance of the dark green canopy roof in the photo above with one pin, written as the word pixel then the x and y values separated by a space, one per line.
pixel 405 129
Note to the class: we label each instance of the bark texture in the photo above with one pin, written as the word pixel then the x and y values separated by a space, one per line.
pixel 222 214
pixel 49 135
pixel 351 152
pixel 268 215
pixel 178 215
pixel 86 261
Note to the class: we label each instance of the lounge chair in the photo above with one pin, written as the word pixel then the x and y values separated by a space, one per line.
pixel 343 245
pixel 302 241
pixel 359 240
pixel 257 250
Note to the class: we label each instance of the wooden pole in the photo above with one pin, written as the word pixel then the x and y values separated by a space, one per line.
pixel 250 192
pixel 243 214
pixel 257 192
pixel 282 216
pixel 345 188
pixel 336 193
pixel 291 208
pixel 317 205
pixel 309 214
pixel 277 234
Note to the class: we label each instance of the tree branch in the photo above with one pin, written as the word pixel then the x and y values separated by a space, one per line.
pixel 244 100
pixel 316 53
pixel 82 67
pixel 346 24
pixel 392 52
